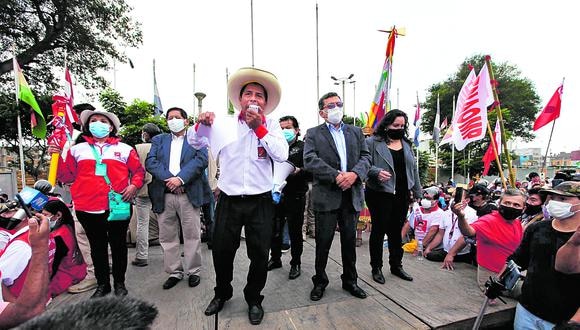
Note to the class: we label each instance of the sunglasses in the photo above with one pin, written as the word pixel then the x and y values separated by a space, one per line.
pixel 331 106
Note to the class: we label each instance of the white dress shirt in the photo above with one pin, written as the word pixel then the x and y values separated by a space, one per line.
pixel 246 164
pixel 175 154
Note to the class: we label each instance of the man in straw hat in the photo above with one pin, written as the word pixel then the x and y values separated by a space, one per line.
pixel 245 183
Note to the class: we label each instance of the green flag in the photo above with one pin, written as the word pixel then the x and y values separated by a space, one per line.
pixel 24 93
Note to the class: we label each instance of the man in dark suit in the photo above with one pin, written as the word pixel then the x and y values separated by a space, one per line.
pixel 178 189
pixel 336 155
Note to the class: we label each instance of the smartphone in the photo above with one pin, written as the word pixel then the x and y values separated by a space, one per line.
pixel 458 195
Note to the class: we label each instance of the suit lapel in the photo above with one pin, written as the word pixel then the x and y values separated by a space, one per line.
pixel 166 148
pixel 384 152
pixel 184 151
pixel 326 133
pixel 350 140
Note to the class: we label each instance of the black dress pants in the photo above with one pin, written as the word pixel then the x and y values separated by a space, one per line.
pixel 290 209
pixel 346 218
pixel 256 214
pixel 388 214
pixel 99 232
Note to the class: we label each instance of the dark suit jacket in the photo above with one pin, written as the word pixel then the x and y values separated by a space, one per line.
pixel 193 164
pixel 322 160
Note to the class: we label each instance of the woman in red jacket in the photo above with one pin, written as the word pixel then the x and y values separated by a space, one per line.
pixel 86 165
pixel 68 267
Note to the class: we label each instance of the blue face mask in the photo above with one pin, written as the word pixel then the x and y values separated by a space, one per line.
pixel 289 134
pixel 99 129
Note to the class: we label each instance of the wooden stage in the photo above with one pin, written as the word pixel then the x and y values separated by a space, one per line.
pixel 436 298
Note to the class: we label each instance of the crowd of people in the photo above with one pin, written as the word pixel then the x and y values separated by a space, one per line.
pixel 195 190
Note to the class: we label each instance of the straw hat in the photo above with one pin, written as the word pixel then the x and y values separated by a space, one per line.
pixel 85 115
pixel 245 76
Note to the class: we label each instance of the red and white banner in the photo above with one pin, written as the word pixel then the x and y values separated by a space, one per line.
pixel 71 115
pixel 489 155
pixel 470 120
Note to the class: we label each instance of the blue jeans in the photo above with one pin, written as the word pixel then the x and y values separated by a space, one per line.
pixel 525 320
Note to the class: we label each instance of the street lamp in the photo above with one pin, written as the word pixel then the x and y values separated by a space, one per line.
pixel 353 82
pixel 339 81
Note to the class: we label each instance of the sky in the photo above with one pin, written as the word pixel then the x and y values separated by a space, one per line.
pixel 215 35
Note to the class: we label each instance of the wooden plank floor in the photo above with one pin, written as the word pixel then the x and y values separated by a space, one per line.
pixel 435 299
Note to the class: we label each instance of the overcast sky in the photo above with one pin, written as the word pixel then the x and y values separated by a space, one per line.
pixel 215 35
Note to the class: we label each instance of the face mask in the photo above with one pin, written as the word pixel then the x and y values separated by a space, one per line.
pixel 395 134
pixel 426 203
pixel 99 129
pixel 51 222
pixel 560 210
pixel 334 116
pixel 289 134
pixel 532 209
pixel 509 213
pixel 176 125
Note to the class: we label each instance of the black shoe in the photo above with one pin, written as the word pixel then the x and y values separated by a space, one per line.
pixel 171 282
pixel 255 314
pixel 273 264
pixel 355 290
pixel 399 272
pixel 120 289
pixel 215 305
pixel 285 248
pixel 378 275
pixel 102 290
pixel 139 262
pixel 294 272
pixel 194 280
pixel 316 293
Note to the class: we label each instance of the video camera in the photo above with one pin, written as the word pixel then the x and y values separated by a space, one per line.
pixel 27 198
pixel 506 282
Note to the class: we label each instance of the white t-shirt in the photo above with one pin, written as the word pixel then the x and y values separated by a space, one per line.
pixel 15 259
pixel 424 221
pixel 450 224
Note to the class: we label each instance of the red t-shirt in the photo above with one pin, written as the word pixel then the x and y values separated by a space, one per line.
pixel 496 240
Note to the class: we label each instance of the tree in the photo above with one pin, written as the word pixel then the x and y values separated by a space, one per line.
pixel 348 120
pixel 519 104
pixel 132 116
pixel 35 150
pixel 89 32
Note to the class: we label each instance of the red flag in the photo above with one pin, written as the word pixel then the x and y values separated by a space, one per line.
pixel 444 123
pixel 551 111
pixel 489 156
pixel 71 115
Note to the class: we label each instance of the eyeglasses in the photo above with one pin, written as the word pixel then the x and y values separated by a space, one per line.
pixel 331 106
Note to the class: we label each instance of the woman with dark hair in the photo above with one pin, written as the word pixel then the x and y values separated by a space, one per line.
pixel 100 164
pixel 391 179
pixel 68 267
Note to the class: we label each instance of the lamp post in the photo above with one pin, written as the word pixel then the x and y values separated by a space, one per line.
pixel 353 82
pixel 339 81
pixel 199 96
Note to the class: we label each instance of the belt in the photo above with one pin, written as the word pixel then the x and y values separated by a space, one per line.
pixel 177 191
pixel 267 193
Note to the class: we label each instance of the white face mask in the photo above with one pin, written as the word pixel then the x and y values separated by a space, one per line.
pixel 560 210
pixel 51 222
pixel 334 115
pixel 176 125
pixel 426 203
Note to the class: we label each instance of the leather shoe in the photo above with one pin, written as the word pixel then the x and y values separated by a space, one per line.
pixel 171 282
pixel 378 276
pixel 120 289
pixel 294 272
pixel 273 264
pixel 194 280
pixel 255 314
pixel 215 305
pixel 139 262
pixel 102 290
pixel 316 293
pixel 355 290
pixel 399 272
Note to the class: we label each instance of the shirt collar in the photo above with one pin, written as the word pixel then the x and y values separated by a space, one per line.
pixel 332 128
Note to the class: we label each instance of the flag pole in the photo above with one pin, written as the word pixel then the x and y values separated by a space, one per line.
pixel 437 143
pixel 453 145
pixel 18 123
pixel 417 92
pixel 317 66
pixel 512 175
pixel 549 141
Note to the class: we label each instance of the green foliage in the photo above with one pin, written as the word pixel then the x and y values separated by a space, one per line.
pixel 349 120
pixel 132 116
pixel 35 150
pixel 424 160
pixel 91 33
pixel 519 103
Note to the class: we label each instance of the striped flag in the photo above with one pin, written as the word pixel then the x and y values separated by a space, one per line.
pixel 437 124
pixel 444 123
pixel 156 98
pixel 24 93
pixel 381 100
pixel 416 122
pixel 71 115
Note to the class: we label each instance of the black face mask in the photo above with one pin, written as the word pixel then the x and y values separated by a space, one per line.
pixel 395 134
pixel 532 209
pixel 509 213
